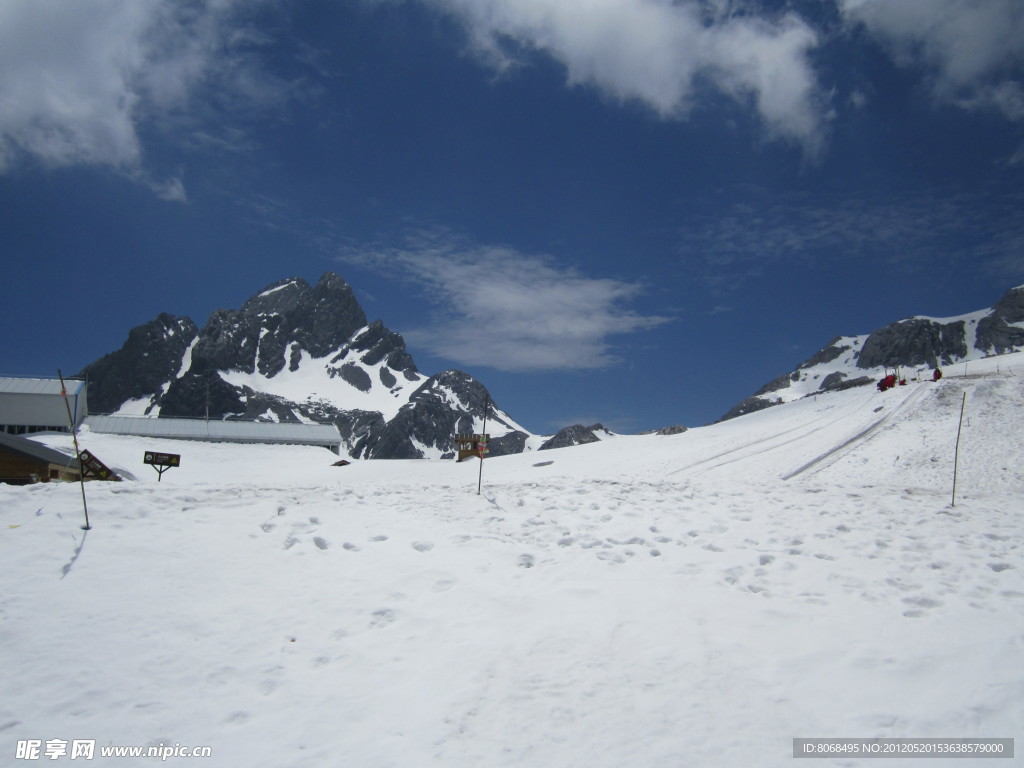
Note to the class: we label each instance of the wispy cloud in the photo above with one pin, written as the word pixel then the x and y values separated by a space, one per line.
pixel 970 50
pixel 79 79
pixel 504 309
pixel 921 232
pixel 662 53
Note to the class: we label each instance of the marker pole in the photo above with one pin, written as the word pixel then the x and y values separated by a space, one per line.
pixel 956 451
pixel 78 454
pixel 480 476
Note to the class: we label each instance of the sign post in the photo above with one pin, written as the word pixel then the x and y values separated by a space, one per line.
pixel 161 462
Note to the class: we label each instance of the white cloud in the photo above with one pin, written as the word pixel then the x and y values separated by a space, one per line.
pixel 500 308
pixel 659 52
pixel 973 49
pixel 78 78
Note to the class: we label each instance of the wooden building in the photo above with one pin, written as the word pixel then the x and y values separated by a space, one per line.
pixel 24 461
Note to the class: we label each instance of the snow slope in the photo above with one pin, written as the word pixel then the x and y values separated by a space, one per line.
pixel 689 600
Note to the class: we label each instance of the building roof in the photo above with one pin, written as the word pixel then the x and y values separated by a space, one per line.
pixel 35 450
pixel 228 431
pixel 30 386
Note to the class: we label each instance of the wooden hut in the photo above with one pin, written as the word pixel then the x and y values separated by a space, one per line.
pixel 24 461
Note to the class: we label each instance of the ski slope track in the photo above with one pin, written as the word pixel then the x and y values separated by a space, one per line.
pixel 907 403
pixel 697 599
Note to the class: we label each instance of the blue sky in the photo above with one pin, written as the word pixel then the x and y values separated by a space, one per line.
pixel 627 211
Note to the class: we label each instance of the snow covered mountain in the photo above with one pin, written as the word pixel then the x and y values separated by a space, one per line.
pixel 914 347
pixel 298 353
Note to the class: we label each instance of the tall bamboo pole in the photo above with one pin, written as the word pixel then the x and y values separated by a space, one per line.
pixel 956 450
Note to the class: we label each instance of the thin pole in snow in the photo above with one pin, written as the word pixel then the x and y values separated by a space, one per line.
pixel 78 454
pixel 480 475
pixel 956 451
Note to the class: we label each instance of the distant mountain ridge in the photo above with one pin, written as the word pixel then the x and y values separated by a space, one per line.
pixel 915 345
pixel 299 353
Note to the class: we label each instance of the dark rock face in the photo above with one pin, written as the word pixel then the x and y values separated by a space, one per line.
pixel 510 442
pixel 675 429
pixel 318 319
pixel 200 395
pixel 749 405
pixel 837 382
pixel 379 344
pixel 356 376
pixel 780 382
pixel 577 434
pixel 152 355
pixel 914 342
pixel 831 351
pixel 994 333
pixel 428 419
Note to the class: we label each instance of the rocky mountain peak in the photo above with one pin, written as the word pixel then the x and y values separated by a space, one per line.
pixel 296 352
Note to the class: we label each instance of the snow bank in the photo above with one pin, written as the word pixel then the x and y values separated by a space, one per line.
pixel 696 599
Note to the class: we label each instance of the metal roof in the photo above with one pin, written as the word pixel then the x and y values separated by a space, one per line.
pixel 229 431
pixel 36 451
pixel 29 386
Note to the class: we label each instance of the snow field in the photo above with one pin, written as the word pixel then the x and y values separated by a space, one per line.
pixel 643 600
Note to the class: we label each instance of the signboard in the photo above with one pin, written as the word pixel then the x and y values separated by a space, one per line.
pixel 472 445
pixel 93 467
pixel 161 462
pixel 162 459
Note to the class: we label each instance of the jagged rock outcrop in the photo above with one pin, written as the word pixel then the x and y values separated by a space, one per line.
pixel 995 334
pixel 429 419
pixel 577 434
pixel 152 356
pixel 917 341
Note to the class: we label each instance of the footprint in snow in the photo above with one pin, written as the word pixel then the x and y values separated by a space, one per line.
pixel 422 546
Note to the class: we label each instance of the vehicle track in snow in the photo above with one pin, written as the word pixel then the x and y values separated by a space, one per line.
pixel 787 437
pixel 909 403
pixel 765 444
